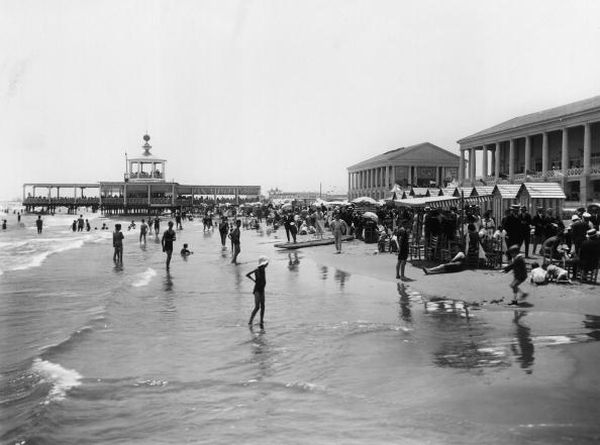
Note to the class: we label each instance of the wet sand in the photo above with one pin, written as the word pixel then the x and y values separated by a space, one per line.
pixel 478 287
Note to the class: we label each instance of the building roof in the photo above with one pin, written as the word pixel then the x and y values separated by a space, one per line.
pixel 542 190
pixel 399 153
pixel 506 191
pixel 548 115
pixel 484 189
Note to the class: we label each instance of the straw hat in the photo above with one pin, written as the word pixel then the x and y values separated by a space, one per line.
pixel 574 218
pixel 592 233
pixel 263 261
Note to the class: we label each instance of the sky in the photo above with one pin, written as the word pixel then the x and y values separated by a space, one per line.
pixel 276 93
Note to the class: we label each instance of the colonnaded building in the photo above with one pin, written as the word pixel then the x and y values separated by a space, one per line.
pixel 420 165
pixel 560 144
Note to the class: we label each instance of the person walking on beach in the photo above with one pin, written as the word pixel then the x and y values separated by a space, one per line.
pixel 519 269
pixel 338 227
pixel 259 277
pixel 402 253
pixel 235 241
pixel 143 231
pixel 118 245
pixel 39 223
pixel 167 243
pixel 223 229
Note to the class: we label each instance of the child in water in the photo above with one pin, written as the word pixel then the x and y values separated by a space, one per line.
pixel 260 281
pixel 185 251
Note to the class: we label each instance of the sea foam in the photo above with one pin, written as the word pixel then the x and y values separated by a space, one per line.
pixel 60 379
pixel 143 279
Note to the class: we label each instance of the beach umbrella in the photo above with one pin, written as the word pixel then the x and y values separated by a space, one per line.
pixel 286 206
pixel 364 200
pixel 370 215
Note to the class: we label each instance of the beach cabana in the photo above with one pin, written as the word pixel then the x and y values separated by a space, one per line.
pixel 448 191
pixel 503 196
pixel 419 192
pixel 434 191
pixel 484 190
pixel 548 195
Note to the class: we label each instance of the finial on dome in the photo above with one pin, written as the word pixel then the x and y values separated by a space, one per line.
pixel 146 146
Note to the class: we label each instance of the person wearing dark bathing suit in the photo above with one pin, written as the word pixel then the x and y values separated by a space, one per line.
pixel 223 229
pixel 118 244
pixel 167 242
pixel 259 277
pixel 39 223
pixel 235 241
pixel 456 264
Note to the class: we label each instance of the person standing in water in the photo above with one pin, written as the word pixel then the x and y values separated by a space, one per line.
pixel 156 226
pixel 167 243
pixel 118 245
pixel 143 231
pixel 235 241
pixel 223 229
pixel 259 277
pixel 39 223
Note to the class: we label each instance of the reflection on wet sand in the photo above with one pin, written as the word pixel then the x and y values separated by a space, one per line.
pixel 293 261
pixel 405 313
pixel 341 277
pixel 523 349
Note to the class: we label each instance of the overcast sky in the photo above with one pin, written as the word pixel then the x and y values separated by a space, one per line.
pixel 275 93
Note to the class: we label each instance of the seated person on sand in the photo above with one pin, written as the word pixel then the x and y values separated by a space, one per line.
pixel 456 264
pixel 185 251
pixel 538 274
pixel 556 274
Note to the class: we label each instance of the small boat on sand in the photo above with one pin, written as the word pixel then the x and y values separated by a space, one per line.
pixel 312 242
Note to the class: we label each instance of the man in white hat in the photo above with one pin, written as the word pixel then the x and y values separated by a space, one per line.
pixel 259 277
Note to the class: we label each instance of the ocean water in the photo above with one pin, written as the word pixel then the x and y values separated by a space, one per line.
pixel 93 353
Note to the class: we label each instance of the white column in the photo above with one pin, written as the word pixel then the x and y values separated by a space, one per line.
pixel 527 155
pixel 587 164
pixel 497 161
pixel 564 152
pixel 484 162
pixel 410 175
pixel 461 167
pixel 472 165
pixel 544 153
pixel 511 161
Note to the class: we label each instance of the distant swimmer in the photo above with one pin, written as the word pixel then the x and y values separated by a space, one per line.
pixel 185 251
pixel 143 231
pixel 39 223
pixel 74 226
pixel 87 226
pixel 259 277
pixel 167 242
pixel 118 244
pixel 235 241
pixel 3 224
